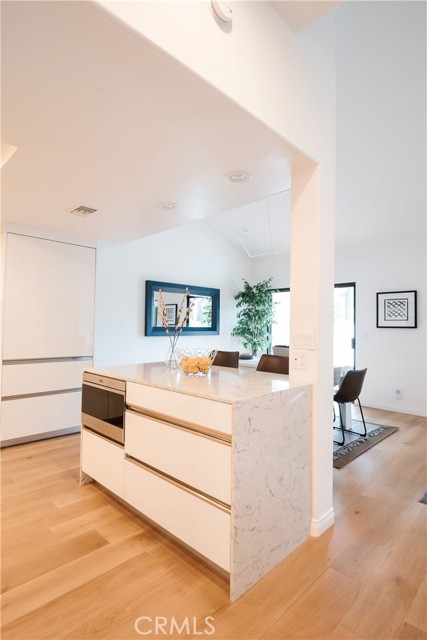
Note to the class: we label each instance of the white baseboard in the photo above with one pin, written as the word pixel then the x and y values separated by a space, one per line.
pixel 400 409
pixel 319 525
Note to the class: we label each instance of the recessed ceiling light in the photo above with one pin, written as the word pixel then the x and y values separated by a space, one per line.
pixel 238 177
pixel 167 206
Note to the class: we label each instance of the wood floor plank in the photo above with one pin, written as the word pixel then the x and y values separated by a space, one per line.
pixel 107 520
pixel 36 562
pixel 341 633
pixel 180 594
pixel 319 610
pixel 408 632
pixel 385 601
pixel 417 613
pixel 260 607
pixel 56 617
pixel 362 579
pixel 49 586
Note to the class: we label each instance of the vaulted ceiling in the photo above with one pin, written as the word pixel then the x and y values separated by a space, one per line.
pixel 119 128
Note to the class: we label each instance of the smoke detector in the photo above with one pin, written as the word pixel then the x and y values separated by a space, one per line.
pixel 82 210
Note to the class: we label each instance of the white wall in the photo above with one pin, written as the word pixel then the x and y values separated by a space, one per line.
pixel 381 186
pixel 276 267
pixel 193 255
pixel 381 119
pixel 279 77
pixel 395 358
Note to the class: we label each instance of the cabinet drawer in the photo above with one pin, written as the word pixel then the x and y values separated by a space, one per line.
pixel 103 461
pixel 22 417
pixel 42 377
pixel 197 460
pixel 201 525
pixel 200 411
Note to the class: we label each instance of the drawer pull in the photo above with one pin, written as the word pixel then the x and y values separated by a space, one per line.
pixel 181 485
pixel 180 424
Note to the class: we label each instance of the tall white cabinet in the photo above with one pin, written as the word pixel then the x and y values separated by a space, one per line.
pixel 49 294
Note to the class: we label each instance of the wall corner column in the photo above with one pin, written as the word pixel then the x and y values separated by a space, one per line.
pixel 311 355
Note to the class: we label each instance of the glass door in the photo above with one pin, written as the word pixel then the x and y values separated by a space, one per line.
pixel 345 325
pixel 280 330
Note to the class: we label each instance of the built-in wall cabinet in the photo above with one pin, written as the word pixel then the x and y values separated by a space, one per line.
pixel 49 297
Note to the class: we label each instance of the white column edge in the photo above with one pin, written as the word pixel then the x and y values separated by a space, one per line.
pixel 320 525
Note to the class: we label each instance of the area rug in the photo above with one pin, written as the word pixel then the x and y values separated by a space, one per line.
pixel 352 449
pixel 424 498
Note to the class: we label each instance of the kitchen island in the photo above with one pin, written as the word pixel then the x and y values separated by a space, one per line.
pixel 222 463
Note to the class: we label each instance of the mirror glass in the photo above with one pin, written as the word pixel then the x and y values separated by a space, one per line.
pixel 203 301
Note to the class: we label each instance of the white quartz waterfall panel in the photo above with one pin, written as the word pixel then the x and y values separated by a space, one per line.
pixel 41 377
pixel 271 483
pixel 49 299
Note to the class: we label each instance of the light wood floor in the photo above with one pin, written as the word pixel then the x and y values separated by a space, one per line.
pixel 76 564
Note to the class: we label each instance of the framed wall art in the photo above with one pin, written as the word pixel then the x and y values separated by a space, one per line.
pixel 397 310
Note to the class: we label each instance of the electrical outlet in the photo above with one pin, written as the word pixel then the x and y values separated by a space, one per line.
pixel 300 360
pixel 398 394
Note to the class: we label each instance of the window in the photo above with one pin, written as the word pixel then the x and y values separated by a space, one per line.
pixel 344 322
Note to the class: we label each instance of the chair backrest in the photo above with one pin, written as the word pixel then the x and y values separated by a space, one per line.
pixel 273 364
pixel 351 386
pixel 281 350
pixel 227 359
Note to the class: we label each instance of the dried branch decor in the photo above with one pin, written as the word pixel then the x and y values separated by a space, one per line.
pixel 174 331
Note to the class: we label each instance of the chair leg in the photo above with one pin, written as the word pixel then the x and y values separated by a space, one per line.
pixel 364 423
pixel 363 417
pixel 341 442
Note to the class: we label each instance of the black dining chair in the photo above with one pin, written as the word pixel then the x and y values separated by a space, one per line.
pixel 349 391
pixel 273 364
pixel 227 359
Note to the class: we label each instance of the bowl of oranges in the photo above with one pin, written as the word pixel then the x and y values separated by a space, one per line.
pixel 196 362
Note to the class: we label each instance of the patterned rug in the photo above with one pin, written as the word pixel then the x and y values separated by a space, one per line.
pixel 424 498
pixel 354 448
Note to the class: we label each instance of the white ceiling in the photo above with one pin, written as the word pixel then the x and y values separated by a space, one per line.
pixel 103 119
pixel 299 14
pixel 260 228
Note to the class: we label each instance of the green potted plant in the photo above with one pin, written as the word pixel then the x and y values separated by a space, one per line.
pixel 255 315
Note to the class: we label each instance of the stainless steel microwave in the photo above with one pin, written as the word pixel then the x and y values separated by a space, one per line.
pixel 103 405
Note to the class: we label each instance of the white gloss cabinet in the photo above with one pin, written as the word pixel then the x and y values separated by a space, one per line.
pixel 49 298
pixel 103 460
pixel 203 526
pixel 42 377
pixel 40 415
pixel 206 413
pixel 199 461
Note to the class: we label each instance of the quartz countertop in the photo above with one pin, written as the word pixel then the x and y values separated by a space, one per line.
pixel 223 383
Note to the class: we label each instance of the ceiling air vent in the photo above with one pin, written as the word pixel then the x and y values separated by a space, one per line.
pixel 82 211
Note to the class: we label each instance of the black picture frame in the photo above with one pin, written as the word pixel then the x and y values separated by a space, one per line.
pixel 171 313
pixel 397 309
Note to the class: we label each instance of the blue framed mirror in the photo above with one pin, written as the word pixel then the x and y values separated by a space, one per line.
pixel 204 316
